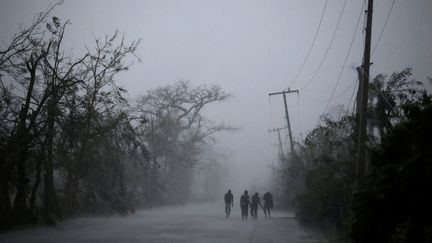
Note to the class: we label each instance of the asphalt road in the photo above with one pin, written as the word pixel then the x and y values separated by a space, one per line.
pixel 190 223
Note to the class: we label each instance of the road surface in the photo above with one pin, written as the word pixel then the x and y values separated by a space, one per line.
pixel 190 223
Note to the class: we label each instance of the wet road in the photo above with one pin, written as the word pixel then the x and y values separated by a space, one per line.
pixel 191 223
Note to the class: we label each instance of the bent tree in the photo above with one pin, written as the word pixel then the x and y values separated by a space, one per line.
pixel 176 134
pixel 47 95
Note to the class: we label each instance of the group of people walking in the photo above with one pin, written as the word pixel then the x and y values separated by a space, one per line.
pixel 246 202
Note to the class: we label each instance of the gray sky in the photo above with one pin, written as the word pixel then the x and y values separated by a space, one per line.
pixel 250 48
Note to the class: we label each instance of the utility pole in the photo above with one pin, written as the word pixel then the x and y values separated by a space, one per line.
pixel 364 88
pixel 286 114
pixel 280 140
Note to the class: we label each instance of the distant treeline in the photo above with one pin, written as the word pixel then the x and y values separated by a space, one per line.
pixel 70 142
pixel 391 201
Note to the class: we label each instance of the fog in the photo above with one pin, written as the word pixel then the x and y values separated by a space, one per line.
pixel 249 49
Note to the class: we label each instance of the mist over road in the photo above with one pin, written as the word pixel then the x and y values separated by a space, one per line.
pixel 190 223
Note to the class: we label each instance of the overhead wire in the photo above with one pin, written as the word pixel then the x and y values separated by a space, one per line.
pixel 336 96
pixel 383 28
pixel 381 94
pixel 346 59
pixel 373 51
pixel 328 48
pixel 375 46
pixel 312 45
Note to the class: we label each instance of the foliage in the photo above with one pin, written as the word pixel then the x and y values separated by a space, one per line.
pixel 391 205
pixel 387 99
pixel 64 127
pixel 395 205
pixel 71 143
pixel 328 152
pixel 177 134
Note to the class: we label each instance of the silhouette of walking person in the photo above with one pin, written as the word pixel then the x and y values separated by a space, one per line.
pixel 244 205
pixel 229 202
pixel 268 203
pixel 255 202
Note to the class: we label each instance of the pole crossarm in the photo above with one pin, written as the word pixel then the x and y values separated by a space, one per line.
pixel 285 92
pixel 276 129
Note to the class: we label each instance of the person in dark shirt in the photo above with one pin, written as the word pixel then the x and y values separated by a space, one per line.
pixel 244 205
pixel 255 202
pixel 229 202
pixel 268 203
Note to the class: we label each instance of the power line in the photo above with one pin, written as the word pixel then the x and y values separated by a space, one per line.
pixel 312 45
pixel 336 96
pixel 345 90
pixel 328 47
pixel 383 28
pixel 346 58
pixel 381 94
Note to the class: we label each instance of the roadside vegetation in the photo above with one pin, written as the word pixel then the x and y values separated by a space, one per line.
pixel 72 142
pixel 390 203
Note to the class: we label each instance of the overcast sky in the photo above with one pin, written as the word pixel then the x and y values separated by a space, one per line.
pixel 250 48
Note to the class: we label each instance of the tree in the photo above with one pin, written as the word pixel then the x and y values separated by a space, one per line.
pixel 328 150
pixel 394 206
pixel 93 118
pixel 60 117
pixel 25 96
pixel 388 97
pixel 177 129
pixel 388 205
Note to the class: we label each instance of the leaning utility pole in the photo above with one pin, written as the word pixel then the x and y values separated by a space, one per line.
pixel 286 114
pixel 364 88
pixel 280 140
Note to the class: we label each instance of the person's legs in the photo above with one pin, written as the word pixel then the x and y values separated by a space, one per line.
pixel 254 212
pixel 267 210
